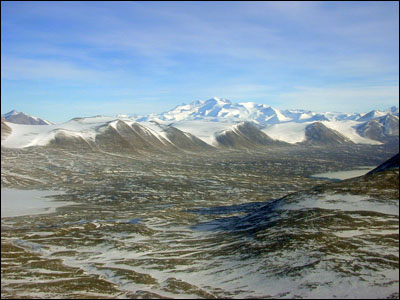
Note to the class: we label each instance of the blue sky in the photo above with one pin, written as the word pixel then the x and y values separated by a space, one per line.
pixel 61 60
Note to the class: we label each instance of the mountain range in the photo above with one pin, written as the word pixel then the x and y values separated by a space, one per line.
pixel 205 126
pixel 262 114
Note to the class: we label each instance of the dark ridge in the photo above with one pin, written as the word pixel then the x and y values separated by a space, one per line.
pixel 245 135
pixel 390 164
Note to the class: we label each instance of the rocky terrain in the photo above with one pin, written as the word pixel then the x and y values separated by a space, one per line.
pixel 205 225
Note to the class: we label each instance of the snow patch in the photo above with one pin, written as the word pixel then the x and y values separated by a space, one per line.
pixel 348 129
pixel 344 202
pixel 287 132
pixel 28 202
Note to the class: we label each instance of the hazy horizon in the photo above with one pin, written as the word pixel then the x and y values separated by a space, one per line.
pixel 132 114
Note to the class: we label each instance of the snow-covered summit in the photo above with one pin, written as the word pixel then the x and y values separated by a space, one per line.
pixel 373 114
pixel 22 118
pixel 10 113
pixel 218 109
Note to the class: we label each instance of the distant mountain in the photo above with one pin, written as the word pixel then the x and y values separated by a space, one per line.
pixel 22 118
pixel 219 108
pixel 280 122
pixel 318 134
pixel 371 115
pixel 393 110
pixel 380 129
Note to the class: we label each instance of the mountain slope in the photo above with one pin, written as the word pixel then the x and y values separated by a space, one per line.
pixel 318 134
pixel 70 140
pixel 244 135
pixel 371 115
pixel 380 129
pixel 5 129
pixel 390 164
pixel 186 141
pixel 120 135
pixel 104 134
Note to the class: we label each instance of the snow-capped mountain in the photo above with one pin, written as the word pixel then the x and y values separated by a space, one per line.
pixel 22 118
pixel 208 118
pixel 216 109
pixel 372 115
pixel 205 125
pixel 220 109
pixel 380 128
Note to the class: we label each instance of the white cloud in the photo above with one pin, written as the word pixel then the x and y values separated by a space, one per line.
pixel 22 68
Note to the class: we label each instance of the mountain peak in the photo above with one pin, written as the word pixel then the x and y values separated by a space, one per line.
pixel 219 100
pixel 11 113
pixel 373 114
pixel 22 118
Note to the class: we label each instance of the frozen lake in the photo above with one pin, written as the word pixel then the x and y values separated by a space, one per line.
pixel 16 202
pixel 341 175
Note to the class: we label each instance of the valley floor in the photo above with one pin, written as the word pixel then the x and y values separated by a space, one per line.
pixel 200 226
